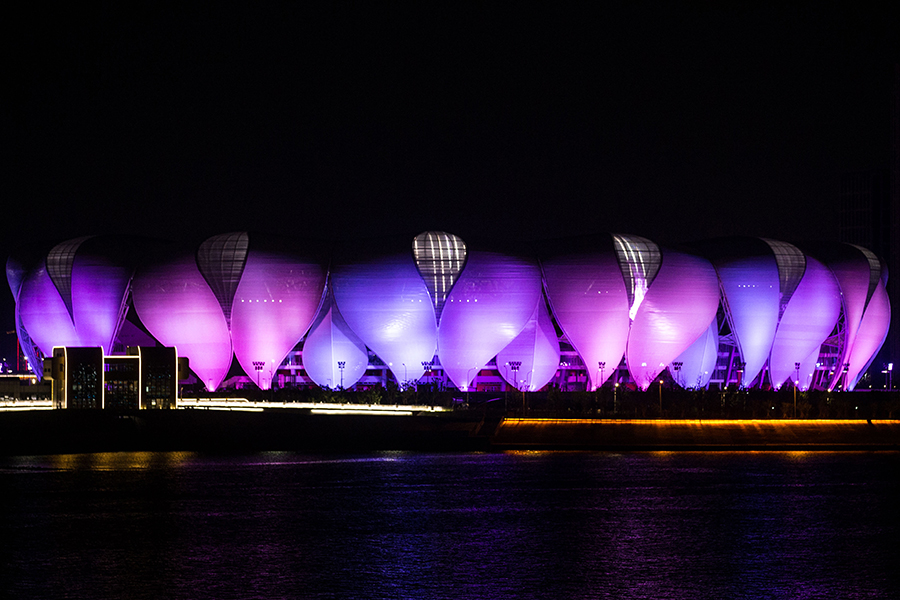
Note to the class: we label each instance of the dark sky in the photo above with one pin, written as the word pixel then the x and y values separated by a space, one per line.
pixel 674 121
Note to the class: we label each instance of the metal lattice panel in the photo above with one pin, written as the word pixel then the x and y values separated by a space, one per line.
pixel 791 267
pixel 440 257
pixel 59 266
pixel 874 270
pixel 221 261
pixel 639 259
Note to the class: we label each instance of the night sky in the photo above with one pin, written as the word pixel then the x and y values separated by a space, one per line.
pixel 673 121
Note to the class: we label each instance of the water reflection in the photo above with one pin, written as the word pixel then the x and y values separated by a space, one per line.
pixel 408 525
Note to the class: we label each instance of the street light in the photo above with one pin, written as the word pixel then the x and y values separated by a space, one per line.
pixel 341 365
pixel 602 365
pixel 660 398
pixel 426 365
pixel 677 367
pixel 615 397
pixel 796 383
pixel 258 365
pixel 514 365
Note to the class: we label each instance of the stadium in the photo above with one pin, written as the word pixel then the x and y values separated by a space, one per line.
pixel 574 314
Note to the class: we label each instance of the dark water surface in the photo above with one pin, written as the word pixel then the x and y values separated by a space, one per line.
pixel 549 525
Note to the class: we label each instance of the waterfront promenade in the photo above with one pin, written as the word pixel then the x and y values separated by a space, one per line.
pixel 685 434
pixel 259 426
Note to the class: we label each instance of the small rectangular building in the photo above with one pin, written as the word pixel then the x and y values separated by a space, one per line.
pixel 144 378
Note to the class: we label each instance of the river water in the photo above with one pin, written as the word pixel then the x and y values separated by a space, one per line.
pixel 548 525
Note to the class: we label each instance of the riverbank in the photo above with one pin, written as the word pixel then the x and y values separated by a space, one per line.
pixel 69 431
pixel 662 434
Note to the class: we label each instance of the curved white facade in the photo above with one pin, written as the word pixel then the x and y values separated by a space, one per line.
pixel 333 356
pixel 386 303
pixel 676 310
pixel 488 307
pixel 274 304
pixel 177 307
pixel 534 352
pixel 696 364
pixel 809 317
pixel 588 297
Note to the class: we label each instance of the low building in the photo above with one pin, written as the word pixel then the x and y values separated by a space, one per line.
pixel 144 378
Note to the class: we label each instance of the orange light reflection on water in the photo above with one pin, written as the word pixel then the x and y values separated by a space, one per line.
pixel 119 461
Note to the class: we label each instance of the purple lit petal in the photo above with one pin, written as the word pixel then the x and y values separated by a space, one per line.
pixel 44 314
pixel 274 305
pixel 537 348
pixel 870 335
pixel 808 319
pixel 677 309
pixel 177 307
pixel 488 307
pixel 386 303
pixel 588 298
pixel 331 340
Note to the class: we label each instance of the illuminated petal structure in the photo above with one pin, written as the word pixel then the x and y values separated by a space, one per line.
pixel 221 260
pixel 179 309
pixel 808 318
pixel 59 267
pixel 329 343
pixel 749 276
pixel 440 258
pixel 100 281
pixel 613 296
pixel 808 369
pixel 588 297
pixel 875 322
pixel 489 306
pixel 535 351
pixel 677 308
pixel 77 296
pixel 44 313
pixel 699 361
pixel 273 306
pixel 387 305
pixel 859 275
pixel 17 269
pixel 870 335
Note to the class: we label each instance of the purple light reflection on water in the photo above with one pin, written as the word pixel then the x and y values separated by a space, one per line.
pixel 409 525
